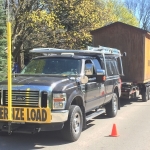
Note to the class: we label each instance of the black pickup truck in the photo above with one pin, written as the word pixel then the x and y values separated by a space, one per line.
pixel 61 90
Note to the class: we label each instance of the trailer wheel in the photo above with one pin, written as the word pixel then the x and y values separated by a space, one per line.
pixel 148 91
pixel 112 106
pixel 73 126
pixel 145 95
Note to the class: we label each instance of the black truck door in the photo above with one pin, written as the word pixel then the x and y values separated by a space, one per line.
pixel 92 95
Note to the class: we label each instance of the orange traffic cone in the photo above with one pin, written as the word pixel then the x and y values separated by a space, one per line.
pixel 114 131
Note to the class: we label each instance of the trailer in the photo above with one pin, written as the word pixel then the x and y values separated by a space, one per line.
pixel 136 42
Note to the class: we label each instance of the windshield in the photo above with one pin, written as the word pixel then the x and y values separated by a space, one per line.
pixel 64 66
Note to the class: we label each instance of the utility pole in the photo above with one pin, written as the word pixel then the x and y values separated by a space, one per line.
pixel 9 65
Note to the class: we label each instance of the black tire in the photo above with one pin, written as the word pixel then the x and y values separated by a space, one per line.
pixel 112 106
pixel 145 95
pixel 134 96
pixel 148 91
pixel 73 126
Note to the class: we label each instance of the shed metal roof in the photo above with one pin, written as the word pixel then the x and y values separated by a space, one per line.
pixel 120 24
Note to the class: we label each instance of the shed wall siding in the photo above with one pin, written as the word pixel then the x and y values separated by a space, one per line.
pixel 126 40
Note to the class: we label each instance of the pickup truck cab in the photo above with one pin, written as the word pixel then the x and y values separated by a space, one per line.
pixel 61 90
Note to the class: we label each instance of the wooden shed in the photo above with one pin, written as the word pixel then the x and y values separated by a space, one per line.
pixel 130 39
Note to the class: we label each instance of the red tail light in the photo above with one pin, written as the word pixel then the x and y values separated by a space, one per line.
pixel 104 78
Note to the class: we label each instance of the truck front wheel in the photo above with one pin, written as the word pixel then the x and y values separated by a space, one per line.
pixel 112 106
pixel 73 127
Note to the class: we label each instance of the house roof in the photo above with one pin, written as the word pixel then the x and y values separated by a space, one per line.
pixel 120 24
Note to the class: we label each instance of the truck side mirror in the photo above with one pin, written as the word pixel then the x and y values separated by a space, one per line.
pixel 124 54
pixel 84 79
pixel 89 69
pixel 100 76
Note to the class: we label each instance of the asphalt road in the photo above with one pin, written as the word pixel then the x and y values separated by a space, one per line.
pixel 133 127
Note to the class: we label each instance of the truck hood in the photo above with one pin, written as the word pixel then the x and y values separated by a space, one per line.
pixel 26 80
pixel 38 82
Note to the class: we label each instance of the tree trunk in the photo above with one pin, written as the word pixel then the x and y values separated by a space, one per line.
pixel 18 55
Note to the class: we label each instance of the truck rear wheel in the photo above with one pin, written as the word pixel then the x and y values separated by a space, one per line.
pixel 148 91
pixel 112 106
pixel 73 127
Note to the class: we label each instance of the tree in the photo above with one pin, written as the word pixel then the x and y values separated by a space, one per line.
pixel 54 23
pixel 122 13
pixel 77 17
pixel 141 8
pixel 3 55
pixel 28 17
pixel 62 24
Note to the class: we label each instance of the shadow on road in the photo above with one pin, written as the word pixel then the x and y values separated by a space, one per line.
pixel 89 125
pixel 37 141
pixel 124 102
pixel 31 141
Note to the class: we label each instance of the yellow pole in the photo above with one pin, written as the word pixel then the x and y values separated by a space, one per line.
pixel 9 71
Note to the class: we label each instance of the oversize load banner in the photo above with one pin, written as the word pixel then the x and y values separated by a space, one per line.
pixel 20 114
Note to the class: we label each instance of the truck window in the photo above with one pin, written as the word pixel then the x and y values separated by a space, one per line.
pixel 114 67
pixel 101 60
pixel 119 66
pixel 108 67
pixel 49 65
pixel 96 64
